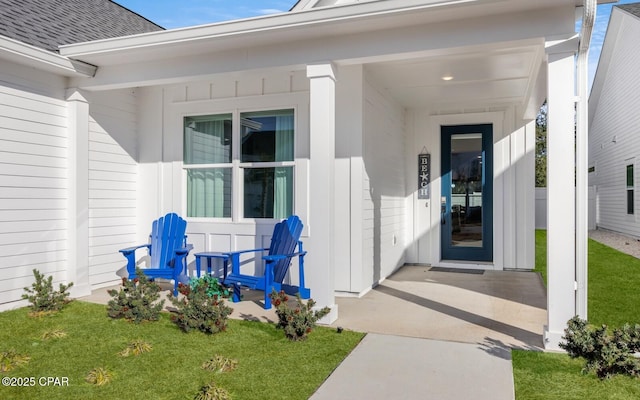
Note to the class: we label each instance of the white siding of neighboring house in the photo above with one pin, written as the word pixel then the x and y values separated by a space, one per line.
pixel 33 180
pixel 614 134
pixel 113 182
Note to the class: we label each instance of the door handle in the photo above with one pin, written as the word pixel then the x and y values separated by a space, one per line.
pixel 443 211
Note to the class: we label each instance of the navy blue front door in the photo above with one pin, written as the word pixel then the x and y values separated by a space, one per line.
pixel 467 193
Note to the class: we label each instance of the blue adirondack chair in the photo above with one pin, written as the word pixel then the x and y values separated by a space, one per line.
pixel 285 239
pixel 167 249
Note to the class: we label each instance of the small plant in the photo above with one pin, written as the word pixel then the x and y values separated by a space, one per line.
pixel 196 310
pixel 54 334
pixel 220 364
pixel 211 391
pixel 135 348
pixel 10 360
pixel 44 300
pixel 99 376
pixel 297 321
pixel 606 354
pixel 137 300
pixel 211 285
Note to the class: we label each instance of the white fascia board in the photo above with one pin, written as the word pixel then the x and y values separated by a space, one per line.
pixel 284 22
pixel 25 54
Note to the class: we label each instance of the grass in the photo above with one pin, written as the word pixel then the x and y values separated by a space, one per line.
pixel 268 365
pixel 613 299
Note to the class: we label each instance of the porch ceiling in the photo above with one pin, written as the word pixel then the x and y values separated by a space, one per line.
pixel 481 77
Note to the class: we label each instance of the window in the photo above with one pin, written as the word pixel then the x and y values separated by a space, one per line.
pixel 256 147
pixel 630 186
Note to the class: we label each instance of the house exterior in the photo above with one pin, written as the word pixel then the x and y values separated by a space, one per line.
pixel 614 146
pixel 400 131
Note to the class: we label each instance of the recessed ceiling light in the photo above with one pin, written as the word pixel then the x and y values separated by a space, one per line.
pixel 447 78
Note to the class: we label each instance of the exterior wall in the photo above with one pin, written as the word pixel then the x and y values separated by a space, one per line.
pixel 614 133
pixel 383 186
pixel 162 179
pixel 112 182
pixel 513 191
pixel 33 180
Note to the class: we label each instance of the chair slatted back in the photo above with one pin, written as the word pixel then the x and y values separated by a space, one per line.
pixel 286 235
pixel 167 234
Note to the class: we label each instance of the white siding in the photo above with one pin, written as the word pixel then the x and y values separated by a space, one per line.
pixel 384 185
pixel 33 183
pixel 162 186
pixel 615 133
pixel 113 182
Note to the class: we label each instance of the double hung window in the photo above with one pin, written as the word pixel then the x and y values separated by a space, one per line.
pixel 240 155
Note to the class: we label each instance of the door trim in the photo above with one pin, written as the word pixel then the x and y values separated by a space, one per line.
pixel 470 254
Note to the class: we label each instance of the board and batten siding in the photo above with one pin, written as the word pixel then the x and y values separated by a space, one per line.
pixel 113 183
pixel 614 134
pixel 33 187
pixel 384 188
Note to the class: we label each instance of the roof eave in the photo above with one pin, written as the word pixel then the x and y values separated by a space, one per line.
pixel 25 54
pixel 258 25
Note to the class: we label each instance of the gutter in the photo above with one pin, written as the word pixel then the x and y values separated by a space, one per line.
pixel 582 154
pixel 25 54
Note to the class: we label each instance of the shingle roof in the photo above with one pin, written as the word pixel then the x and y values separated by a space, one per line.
pixel 50 23
pixel 633 8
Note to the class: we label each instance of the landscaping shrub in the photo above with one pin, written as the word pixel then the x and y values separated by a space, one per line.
pixel 11 359
pixel 606 353
pixel 211 285
pixel 42 296
pixel 211 391
pixel 197 310
pixel 297 322
pixel 137 300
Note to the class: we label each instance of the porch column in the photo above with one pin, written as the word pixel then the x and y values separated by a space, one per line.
pixel 561 216
pixel 322 127
pixel 78 218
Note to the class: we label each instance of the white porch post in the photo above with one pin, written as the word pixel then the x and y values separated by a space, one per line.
pixel 322 128
pixel 78 218
pixel 561 216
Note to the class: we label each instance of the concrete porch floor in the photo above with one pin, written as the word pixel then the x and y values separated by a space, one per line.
pixel 492 308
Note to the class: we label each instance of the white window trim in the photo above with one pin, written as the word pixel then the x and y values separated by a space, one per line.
pixel 235 106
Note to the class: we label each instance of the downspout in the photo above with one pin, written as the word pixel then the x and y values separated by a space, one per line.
pixel 582 153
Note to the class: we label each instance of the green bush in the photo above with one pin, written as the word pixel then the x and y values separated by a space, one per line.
pixel 210 285
pixel 137 300
pixel 197 310
pixel 297 322
pixel 606 353
pixel 42 296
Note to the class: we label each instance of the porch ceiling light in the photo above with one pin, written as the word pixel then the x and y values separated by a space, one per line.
pixel 447 77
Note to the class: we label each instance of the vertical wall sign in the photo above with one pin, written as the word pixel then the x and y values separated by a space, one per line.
pixel 424 175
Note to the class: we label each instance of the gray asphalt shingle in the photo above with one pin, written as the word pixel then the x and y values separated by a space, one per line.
pixel 50 23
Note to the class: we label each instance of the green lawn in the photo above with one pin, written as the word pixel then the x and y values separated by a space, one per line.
pixel 613 299
pixel 269 365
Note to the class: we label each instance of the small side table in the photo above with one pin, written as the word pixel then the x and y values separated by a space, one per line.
pixel 209 256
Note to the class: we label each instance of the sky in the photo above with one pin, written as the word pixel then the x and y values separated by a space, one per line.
pixel 181 13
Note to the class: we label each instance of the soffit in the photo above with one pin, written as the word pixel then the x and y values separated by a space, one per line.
pixel 281 28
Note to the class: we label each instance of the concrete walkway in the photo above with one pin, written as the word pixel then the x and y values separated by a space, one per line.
pixel 431 334
pixel 397 367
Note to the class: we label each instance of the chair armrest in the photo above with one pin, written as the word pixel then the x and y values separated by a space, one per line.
pixel 184 250
pixel 134 248
pixel 275 257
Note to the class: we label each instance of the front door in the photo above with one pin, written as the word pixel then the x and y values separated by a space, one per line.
pixel 467 193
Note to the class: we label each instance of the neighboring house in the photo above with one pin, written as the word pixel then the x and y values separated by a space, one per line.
pixel 400 131
pixel 614 126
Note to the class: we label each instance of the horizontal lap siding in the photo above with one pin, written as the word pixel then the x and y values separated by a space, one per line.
pixel 384 186
pixel 33 189
pixel 617 116
pixel 112 183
